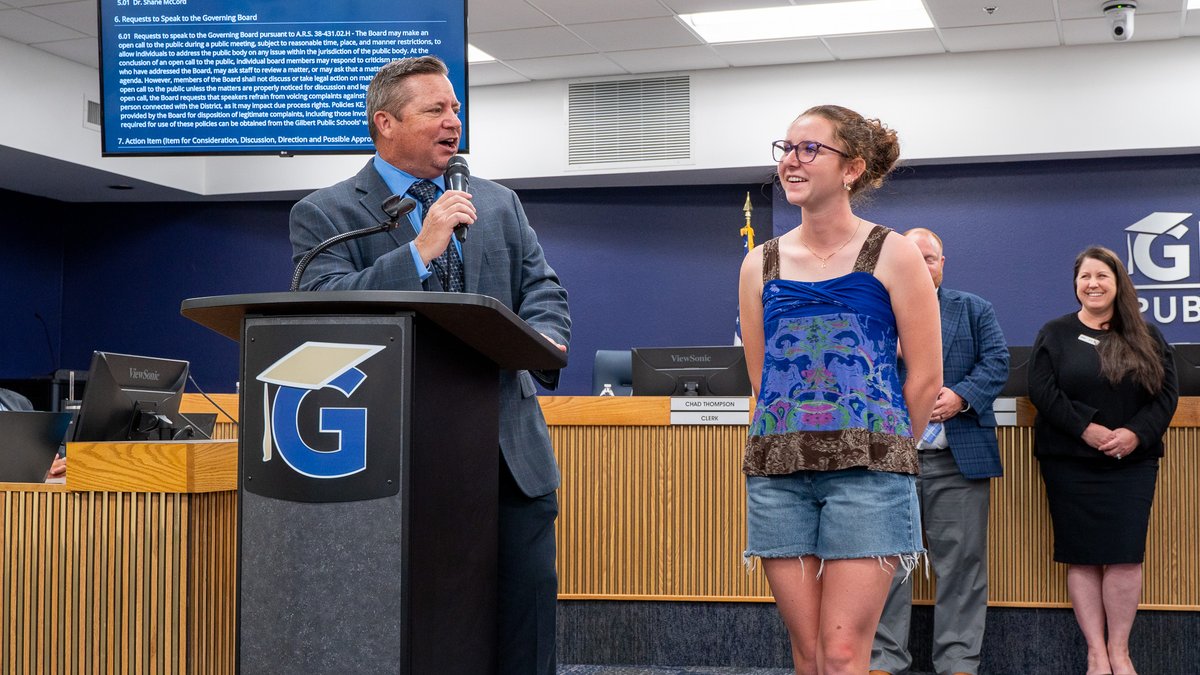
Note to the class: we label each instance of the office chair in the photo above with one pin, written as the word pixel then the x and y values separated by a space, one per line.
pixel 615 367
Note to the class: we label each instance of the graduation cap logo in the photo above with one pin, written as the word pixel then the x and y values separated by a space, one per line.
pixel 308 368
pixel 1144 232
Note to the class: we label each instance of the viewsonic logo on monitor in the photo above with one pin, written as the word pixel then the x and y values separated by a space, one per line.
pixel 310 367
pixel 691 358
pixel 142 374
pixel 1158 253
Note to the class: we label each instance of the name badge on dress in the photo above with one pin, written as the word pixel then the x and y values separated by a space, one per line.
pixel 1088 339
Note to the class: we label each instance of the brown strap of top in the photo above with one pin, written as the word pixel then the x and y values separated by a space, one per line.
pixel 868 256
pixel 770 260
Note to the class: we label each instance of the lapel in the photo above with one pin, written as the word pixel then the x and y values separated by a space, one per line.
pixel 472 255
pixel 951 317
pixel 374 193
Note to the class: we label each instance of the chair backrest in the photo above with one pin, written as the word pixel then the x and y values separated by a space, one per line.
pixel 615 367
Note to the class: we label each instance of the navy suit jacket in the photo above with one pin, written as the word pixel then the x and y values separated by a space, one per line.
pixel 974 366
pixel 501 258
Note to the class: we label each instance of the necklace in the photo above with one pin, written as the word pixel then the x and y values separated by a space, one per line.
pixel 825 259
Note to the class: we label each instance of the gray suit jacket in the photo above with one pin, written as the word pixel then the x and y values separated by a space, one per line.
pixel 14 401
pixel 974 366
pixel 501 259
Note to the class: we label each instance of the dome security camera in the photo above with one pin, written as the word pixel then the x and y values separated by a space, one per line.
pixel 1120 18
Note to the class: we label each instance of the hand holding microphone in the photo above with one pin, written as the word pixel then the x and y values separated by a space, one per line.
pixel 458 177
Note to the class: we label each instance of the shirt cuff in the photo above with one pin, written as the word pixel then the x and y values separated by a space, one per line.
pixel 423 270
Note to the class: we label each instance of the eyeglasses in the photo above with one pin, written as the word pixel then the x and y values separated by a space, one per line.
pixel 806 151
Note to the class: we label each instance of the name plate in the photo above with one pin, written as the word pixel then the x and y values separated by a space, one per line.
pixel 716 403
pixel 710 410
pixel 742 418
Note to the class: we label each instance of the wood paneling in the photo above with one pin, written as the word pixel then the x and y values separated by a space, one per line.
pixel 111 582
pixel 188 466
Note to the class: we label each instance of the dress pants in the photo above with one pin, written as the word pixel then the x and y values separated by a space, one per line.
pixel 527 580
pixel 954 515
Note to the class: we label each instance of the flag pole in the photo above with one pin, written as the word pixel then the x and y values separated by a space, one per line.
pixel 748 231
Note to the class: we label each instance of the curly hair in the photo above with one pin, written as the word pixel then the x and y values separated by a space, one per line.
pixel 869 139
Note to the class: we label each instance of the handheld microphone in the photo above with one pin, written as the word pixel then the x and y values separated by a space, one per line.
pixel 394 206
pixel 458 177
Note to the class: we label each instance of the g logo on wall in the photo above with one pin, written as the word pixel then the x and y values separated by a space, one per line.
pixel 310 367
pixel 1160 254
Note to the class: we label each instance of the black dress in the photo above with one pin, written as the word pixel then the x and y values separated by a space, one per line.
pixel 1099 506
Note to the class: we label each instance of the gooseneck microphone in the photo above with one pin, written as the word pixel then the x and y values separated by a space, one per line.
pixel 458 177
pixel 394 206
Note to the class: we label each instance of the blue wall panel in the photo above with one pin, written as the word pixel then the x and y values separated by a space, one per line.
pixel 1012 231
pixel 31 263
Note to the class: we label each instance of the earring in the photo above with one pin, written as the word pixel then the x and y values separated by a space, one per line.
pixel 847 186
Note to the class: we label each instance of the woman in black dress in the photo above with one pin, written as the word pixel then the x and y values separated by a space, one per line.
pixel 1103 382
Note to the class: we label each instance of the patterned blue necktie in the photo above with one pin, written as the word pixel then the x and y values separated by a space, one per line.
pixel 448 266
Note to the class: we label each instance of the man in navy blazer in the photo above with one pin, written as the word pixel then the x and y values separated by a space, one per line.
pixel 412 113
pixel 958 455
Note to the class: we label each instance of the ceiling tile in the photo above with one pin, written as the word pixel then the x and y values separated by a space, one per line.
pixel 806 50
pixel 1008 36
pixel 484 74
pixel 23 27
pixel 1192 27
pixel 625 35
pixel 79 15
pixel 663 60
pixel 692 6
pixel 483 17
pixel 83 50
pixel 878 45
pixel 30 3
pixel 962 13
pixel 1090 9
pixel 574 11
pixel 530 43
pixel 566 67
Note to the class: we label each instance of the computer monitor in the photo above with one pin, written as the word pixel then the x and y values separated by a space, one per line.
pixel 690 371
pixel 1018 372
pixel 130 398
pixel 1187 367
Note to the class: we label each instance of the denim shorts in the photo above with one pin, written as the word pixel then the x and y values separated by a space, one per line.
pixel 834 515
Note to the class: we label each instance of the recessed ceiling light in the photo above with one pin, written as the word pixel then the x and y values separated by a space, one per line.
pixel 477 55
pixel 1193 4
pixel 836 18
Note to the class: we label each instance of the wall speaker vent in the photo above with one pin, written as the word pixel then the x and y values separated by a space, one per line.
pixel 630 121
pixel 91 114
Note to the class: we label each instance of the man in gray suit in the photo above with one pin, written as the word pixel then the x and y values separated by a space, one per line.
pixel 958 454
pixel 412 112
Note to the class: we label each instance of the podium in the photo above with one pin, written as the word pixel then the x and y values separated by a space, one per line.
pixel 367 482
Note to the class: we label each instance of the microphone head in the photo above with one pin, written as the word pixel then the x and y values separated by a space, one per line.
pixel 397 205
pixel 457 173
pixel 457 164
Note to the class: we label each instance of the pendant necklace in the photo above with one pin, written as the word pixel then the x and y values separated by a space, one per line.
pixel 825 260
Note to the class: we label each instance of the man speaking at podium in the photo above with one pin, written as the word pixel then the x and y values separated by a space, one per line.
pixel 412 113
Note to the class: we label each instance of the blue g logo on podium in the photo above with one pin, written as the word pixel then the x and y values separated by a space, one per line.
pixel 308 368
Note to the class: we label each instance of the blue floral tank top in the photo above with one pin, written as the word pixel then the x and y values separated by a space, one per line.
pixel 830 395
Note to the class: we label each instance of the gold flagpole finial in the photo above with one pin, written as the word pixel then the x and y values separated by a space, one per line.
pixel 748 230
